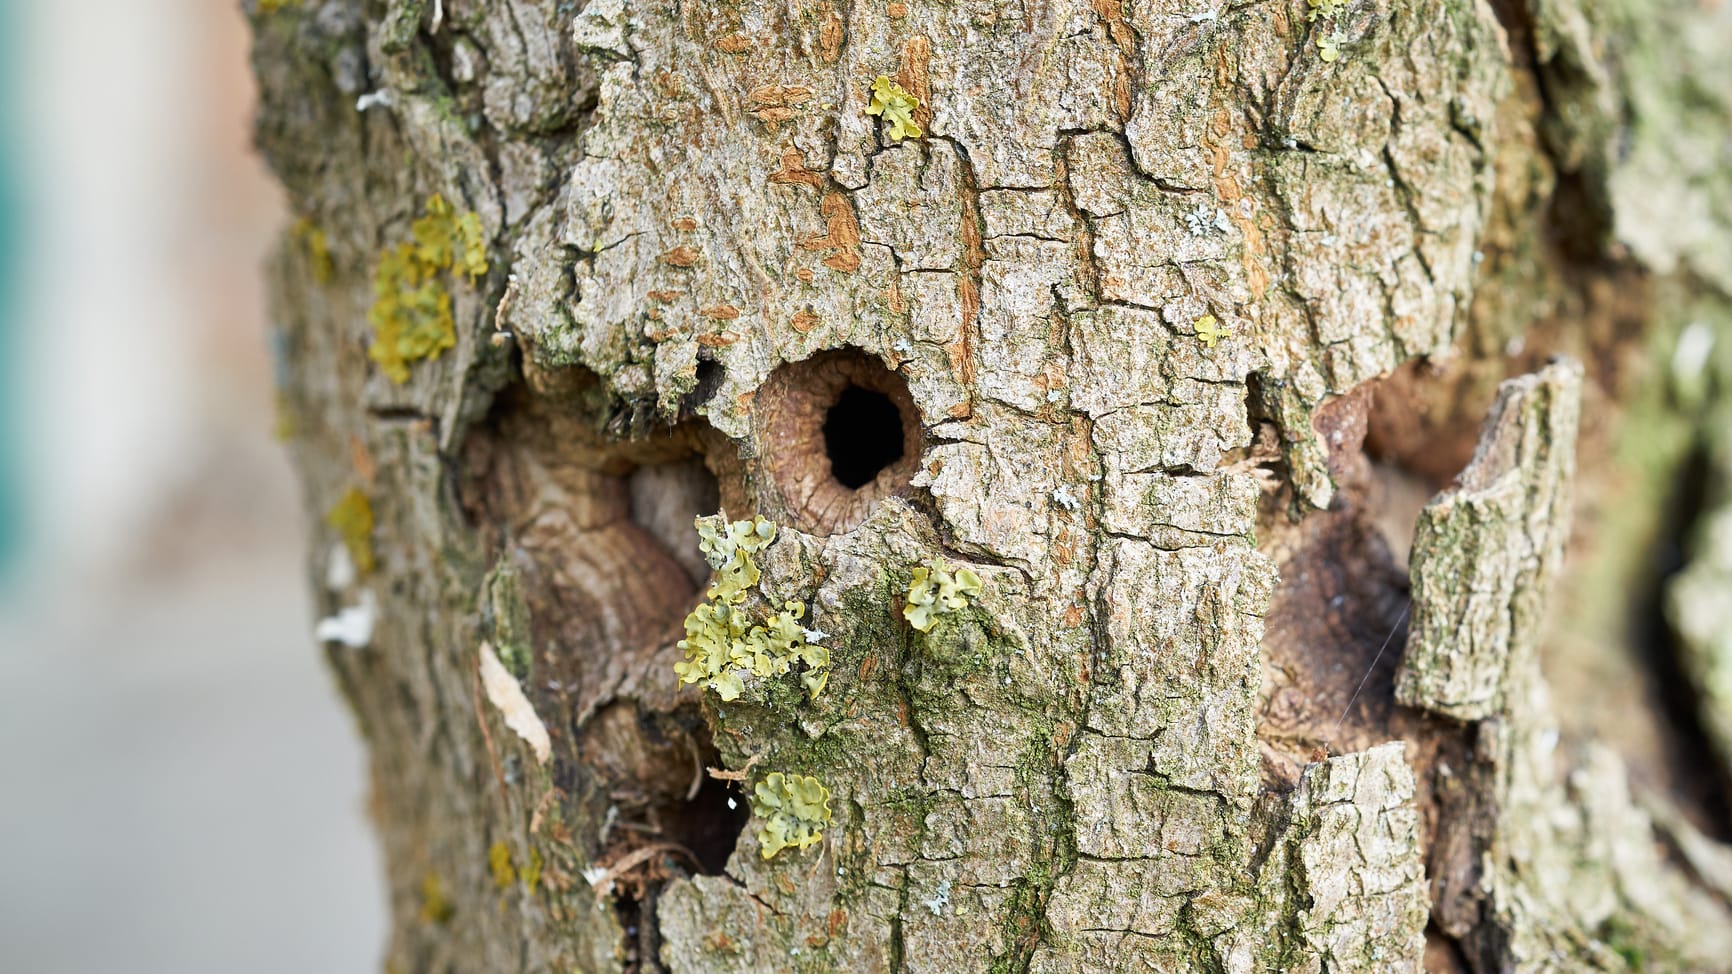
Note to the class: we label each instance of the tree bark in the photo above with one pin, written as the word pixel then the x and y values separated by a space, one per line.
pixel 1185 456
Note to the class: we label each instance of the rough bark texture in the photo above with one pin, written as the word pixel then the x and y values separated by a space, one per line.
pixel 1170 324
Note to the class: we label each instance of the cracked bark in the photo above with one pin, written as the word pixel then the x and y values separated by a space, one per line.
pixel 1219 706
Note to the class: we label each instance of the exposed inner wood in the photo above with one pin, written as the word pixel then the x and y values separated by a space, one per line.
pixel 1334 635
pixel 601 535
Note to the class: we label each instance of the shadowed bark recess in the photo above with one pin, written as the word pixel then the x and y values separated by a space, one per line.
pixel 1219 472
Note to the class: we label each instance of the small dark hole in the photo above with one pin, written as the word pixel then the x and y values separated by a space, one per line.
pixel 709 379
pixel 862 436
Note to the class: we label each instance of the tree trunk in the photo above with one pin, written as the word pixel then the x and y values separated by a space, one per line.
pixel 1167 415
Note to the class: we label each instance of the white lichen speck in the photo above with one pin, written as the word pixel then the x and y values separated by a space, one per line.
pixel 939 899
pixel 381 98
pixel 1690 356
pixel 1206 220
pixel 352 625
pixel 339 569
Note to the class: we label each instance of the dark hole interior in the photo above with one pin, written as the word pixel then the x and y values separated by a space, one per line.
pixel 709 379
pixel 708 827
pixel 862 436
pixel 1710 792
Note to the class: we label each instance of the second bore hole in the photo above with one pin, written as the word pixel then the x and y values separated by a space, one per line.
pixel 862 435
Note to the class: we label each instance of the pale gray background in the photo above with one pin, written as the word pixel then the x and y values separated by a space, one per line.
pixel 183 789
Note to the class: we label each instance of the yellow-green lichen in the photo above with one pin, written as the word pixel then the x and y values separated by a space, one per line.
pixel 283 427
pixel 436 906
pixel 267 7
pixel 317 246
pixel 723 643
pixel 795 809
pixel 778 645
pixel 352 518
pixel 1210 330
pixel 938 591
pixel 1329 46
pixel 723 649
pixel 728 547
pixel 712 629
pixel 1328 41
pixel 897 106
pixel 531 871
pixel 411 312
pixel 449 239
pixel 499 863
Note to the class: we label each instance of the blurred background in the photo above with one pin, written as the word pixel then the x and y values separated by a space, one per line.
pixel 184 788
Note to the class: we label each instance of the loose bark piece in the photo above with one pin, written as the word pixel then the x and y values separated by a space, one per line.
pixel 1485 552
